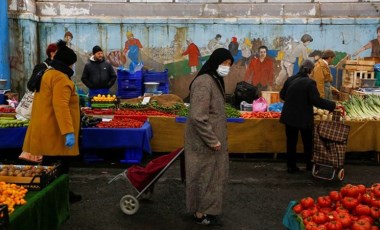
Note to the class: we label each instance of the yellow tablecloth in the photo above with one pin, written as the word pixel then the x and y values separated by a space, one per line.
pixel 260 136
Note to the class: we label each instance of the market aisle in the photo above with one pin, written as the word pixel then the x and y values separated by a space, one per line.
pixel 259 191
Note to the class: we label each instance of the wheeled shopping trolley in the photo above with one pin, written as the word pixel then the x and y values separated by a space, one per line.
pixel 144 178
pixel 329 149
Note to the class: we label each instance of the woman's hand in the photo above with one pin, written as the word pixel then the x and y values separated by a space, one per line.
pixel 217 147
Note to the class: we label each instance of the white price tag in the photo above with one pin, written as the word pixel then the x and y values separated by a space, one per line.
pixel 145 100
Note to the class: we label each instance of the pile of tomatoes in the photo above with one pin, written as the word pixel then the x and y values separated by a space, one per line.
pixel 124 123
pixel 354 207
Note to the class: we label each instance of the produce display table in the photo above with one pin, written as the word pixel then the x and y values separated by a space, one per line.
pixel 134 140
pixel 260 136
pixel 12 137
pixel 45 209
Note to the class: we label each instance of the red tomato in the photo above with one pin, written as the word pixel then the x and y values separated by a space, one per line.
pixel 307 202
pixel 375 212
pixel 349 202
pixel 305 213
pixel 297 208
pixel 361 225
pixel 367 218
pixel 361 188
pixel 321 227
pixel 375 228
pixel 310 225
pixel 362 209
pixel 325 210
pixel 320 218
pixel 335 196
pixel 353 191
pixel 376 191
pixel 334 225
pixel 345 219
pixel 375 202
pixel 313 210
pixel 324 201
pixel 341 209
pixel 367 197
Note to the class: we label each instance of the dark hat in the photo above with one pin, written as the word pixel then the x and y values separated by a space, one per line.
pixel 307 66
pixel 65 54
pixel 96 49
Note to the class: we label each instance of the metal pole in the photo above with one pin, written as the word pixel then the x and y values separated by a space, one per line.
pixel 4 43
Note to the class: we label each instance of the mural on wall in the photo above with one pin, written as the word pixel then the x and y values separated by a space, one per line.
pixel 264 54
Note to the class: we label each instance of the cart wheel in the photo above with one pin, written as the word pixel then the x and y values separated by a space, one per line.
pixel 129 204
pixel 147 195
pixel 340 174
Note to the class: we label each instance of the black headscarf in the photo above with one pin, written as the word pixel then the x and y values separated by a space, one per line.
pixel 217 57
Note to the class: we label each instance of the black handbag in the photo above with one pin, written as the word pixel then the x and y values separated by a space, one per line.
pixel 245 92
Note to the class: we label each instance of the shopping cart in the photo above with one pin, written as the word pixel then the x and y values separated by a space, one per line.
pixel 329 149
pixel 144 178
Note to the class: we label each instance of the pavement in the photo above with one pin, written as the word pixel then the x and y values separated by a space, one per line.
pixel 258 193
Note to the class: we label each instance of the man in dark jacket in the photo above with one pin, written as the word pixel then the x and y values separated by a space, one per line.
pixel 300 94
pixel 98 75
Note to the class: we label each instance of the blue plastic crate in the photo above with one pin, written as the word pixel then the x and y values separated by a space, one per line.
pixel 129 84
pixel 152 76
pixel 129 94
pixel 132 156
pixel 124 74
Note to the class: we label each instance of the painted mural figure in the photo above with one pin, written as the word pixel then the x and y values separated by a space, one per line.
pixel 260 71
pixel 132 50
pixel 68 37
pixel 322 75
pixel 194 55
pixel 373 44
pixel 291 54
pixel 98 75
pixel 215 43
pixel 246 51
pixel 233 47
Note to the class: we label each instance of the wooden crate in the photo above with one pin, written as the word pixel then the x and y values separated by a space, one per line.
pixel 359 65
pixel 351 79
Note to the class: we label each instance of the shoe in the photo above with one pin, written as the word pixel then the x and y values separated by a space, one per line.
pixel 293 169
pixel 208 220
pixel 73 198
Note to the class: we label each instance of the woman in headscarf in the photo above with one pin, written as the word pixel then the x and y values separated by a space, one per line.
pixel 206 140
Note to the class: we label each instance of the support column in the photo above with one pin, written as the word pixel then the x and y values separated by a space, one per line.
pixel 4 43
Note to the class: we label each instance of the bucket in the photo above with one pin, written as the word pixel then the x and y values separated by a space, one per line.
pixel 151 87
pixel 271 96
pixel 3 83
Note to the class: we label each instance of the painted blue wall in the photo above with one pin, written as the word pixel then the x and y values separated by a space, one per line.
pixel 4 43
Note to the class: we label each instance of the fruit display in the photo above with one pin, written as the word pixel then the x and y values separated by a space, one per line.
pixel 10 122
pixel 121 123
pixel 104 98
pixel 23 170
pixel 11 195
pixel 352 207
pixel 7 109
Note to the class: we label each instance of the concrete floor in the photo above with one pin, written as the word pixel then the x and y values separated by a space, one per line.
pixel 257 195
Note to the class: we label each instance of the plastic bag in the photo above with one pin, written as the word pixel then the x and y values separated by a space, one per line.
pixel 276 107
pixel 24 108
pixel 260 105
pixel 377 67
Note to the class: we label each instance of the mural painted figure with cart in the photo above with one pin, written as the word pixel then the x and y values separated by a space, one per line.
pixel 132 50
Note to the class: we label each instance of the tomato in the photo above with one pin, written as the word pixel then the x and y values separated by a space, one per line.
pixel 321 227
pixel 305 213
pixel 375 212
pixel 367 218
pixel 362 188
pixel 320 218
pixel 310 225
pixel 345 219
pixel 313 210
pixel 324 201
pixel 325 210
pixel 353 191
pixel 335 196
pixel 307 220
pixel 376 191
pixel 307 202
pixel 375 202
pixel 367 197
pixel 341 209
pixel 334 225
pixel 349 202
pixel 297 208
pixel 361 225
pixel 375 228
pixel 362 209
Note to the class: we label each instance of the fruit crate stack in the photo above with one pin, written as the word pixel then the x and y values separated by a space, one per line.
pixel 160 77
pixel 130 85
pixel 358 73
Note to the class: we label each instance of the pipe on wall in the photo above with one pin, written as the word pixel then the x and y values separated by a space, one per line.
pixel 4 43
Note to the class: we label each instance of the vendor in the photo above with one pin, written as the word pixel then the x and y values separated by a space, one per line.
pixel 373 44
pixel 322 75
pixel 98 75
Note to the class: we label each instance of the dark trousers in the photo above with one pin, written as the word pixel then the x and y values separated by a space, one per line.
pixel 291 145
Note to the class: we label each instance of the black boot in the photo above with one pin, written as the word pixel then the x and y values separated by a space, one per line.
pixel 73 198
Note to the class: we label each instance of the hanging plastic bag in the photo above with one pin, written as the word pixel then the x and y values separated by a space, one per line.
pixel 24 108
pixel 260 105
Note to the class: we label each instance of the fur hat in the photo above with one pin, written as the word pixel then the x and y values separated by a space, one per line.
pixel 65 54
pixel 96 49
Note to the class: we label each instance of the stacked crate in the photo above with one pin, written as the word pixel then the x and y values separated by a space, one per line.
pixel 130 85
pixel 160 77
pixel 358 73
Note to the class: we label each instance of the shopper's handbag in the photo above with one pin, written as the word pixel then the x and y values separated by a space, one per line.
pixel 24 108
